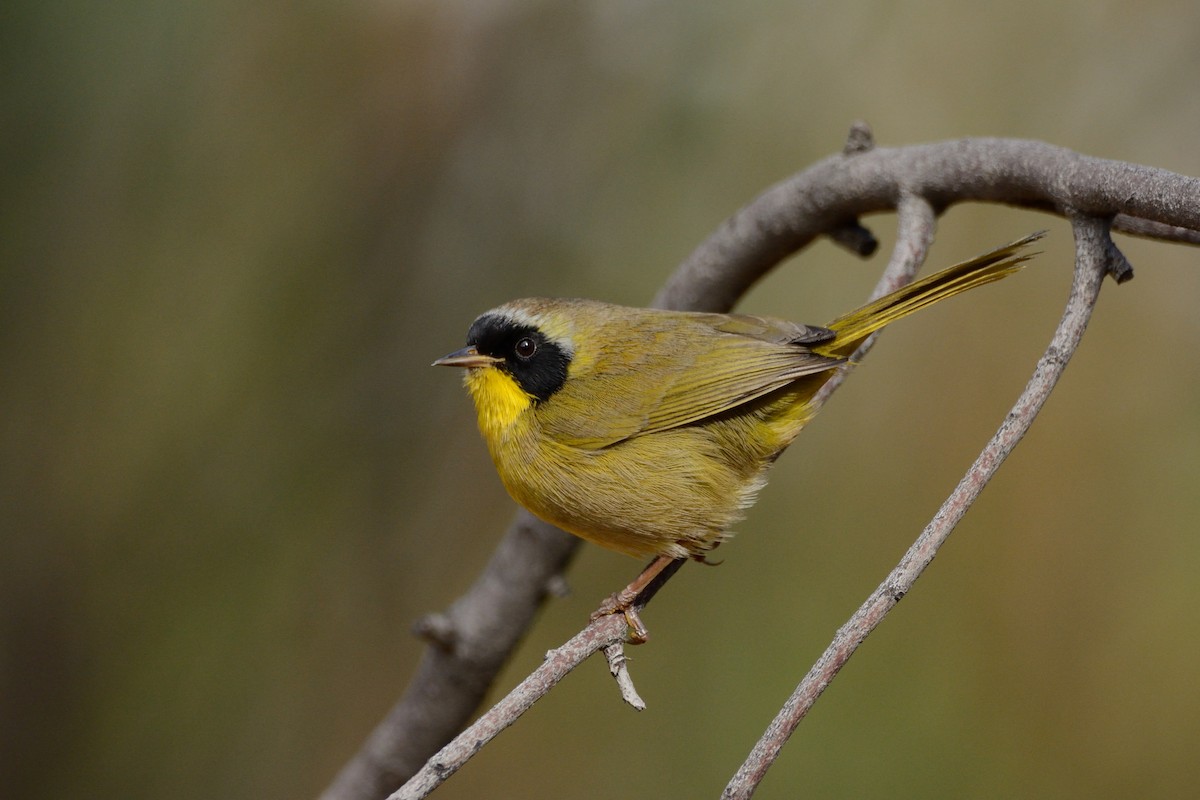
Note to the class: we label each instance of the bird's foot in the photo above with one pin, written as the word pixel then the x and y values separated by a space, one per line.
pixel 622 602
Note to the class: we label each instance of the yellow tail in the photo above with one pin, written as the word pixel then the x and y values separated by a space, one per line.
pixel 856 326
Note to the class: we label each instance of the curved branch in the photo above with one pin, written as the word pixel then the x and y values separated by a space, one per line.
pixel 474 638
pixel 1017 172
pixel 1092 262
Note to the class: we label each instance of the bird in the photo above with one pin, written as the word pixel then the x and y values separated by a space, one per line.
pixel 651 432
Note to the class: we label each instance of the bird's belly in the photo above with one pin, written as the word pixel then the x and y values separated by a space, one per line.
pixel 674 492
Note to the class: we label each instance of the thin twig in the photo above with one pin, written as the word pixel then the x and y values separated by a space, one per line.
pixel 915 225
pixel 597 635
pixel 602 633
pixel 1093 260
pixel 618 667
pixel 469 643
pixel 1150 229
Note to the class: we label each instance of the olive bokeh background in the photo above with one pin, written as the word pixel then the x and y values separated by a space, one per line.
pixel 232 238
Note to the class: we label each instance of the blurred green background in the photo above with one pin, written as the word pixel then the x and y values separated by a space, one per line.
pixel 234 237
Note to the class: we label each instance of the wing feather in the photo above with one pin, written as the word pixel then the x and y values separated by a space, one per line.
pixel 673 368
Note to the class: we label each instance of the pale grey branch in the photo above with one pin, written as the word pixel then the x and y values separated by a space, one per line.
pixel 471 641
pixel 1093 261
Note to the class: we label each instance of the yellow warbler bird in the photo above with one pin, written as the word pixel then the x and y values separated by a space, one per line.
pixel 650 432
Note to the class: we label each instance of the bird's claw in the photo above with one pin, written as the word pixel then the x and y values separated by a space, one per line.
pixel 622 602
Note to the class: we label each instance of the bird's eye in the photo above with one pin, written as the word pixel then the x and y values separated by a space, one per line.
pixel 526 347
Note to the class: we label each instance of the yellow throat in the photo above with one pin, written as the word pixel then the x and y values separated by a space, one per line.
pixel 499 401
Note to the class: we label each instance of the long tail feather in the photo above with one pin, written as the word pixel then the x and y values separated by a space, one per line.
pixel 856 326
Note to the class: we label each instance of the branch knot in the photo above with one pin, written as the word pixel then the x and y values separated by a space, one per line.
pixel 860 139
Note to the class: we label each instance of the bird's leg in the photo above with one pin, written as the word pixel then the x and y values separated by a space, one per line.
pixel 623 600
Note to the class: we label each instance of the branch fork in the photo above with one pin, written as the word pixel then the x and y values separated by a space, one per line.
pixel 470 642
